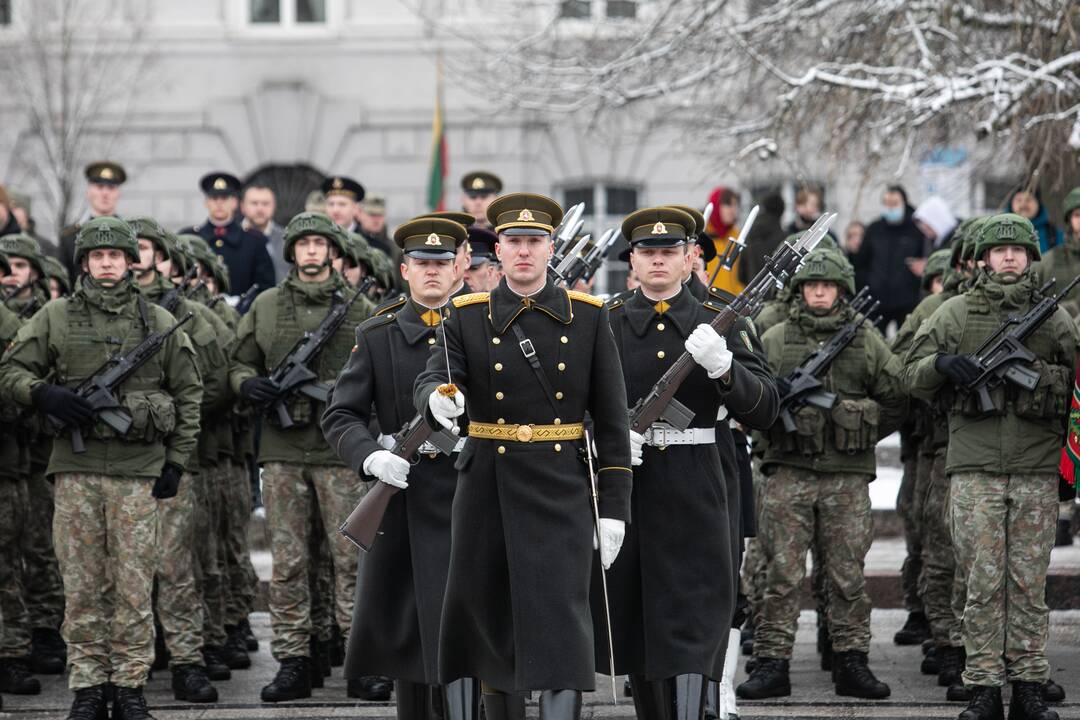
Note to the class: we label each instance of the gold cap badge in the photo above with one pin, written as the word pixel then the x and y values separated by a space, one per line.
pixel 220 184
pixel 106 173
pixel 337 184
pixel 659 229
pixel 433 239
pixel 478 183
pixel 525 216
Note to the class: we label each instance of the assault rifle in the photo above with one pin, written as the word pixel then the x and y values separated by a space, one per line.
pixel 294 374
pixel 242 304
pixel 171 299
pixel 100 388
pixel 1000 356
pixel 805 380
pixel 660 402
pixel 362 526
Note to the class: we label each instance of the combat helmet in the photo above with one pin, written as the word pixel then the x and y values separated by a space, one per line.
pixel 825 264
pixel 106 232
pixel 312 223
pixel 24 246
pixel 937 264
pixel 1007 229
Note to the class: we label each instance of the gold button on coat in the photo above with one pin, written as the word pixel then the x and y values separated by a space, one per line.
pixel 558 395
pixel 564 339
pixel 495 341
pixel 498 367
pixel 660 354
pixel 562 366
pixel 499 396
pixel 660 326
pixel 501 449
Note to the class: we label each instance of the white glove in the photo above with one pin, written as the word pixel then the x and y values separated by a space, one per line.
pixel 445 409
pixel 612 533
pixel 637 443
pixel 386 442
pixel 709 350
pixel 388 467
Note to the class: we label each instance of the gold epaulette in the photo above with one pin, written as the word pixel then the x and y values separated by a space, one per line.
pixel 585 298
pixel 391 305
pixel 470 299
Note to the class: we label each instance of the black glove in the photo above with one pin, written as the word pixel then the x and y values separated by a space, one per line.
pixel 165 487
pixel 961 369
pixel 63 404
pixel 258 390
pixel 783 387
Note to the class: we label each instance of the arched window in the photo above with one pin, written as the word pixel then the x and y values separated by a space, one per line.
pixel 291 185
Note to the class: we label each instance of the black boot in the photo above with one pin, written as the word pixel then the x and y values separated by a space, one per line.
pixel 326 657
pixel 748 639
pixel 314 666
pixel 915 630
pixel 1052 692
pixel 690 697
pixel 413 700
pixel 234 652
pixel 292 682
pixel 15 678
pixel 161 651
pixel 503 706
pixel 653 700
pixel 958 693
pixel 627 689
pixel 952 666
pixel 250 641
pixel 190 684
pixel 370 687
pixel 985 704
pixel 825 648
pixel 461 700
pixel 560 705
pixel 337 646
pixel 931 662
pixel 854 678
pixel 769 679
pixel 1063 536
pixel 216 669
pixel 48 653
pixel 130 704
pixel 1027 703
pixel 89 704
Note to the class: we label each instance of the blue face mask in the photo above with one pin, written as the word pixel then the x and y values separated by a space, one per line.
pixel 893 216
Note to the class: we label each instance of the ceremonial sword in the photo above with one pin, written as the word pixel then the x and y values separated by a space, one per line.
pixel 603 572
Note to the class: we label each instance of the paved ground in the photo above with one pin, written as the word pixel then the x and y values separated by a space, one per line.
pixel 914 696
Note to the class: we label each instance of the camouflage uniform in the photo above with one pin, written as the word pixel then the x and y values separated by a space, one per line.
pixel 105 517
pixel 1003 494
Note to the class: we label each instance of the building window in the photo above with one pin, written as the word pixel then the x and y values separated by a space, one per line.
pixel 586 9
pixel 622 9
pixel 575 9
pixel 5 12
pixel 606 204
pixel 286 13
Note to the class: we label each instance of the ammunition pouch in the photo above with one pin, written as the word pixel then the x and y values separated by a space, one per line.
pixel 967 404
pixel 1050 398
pixel 153 417
pixel 809 436
pixel 855 424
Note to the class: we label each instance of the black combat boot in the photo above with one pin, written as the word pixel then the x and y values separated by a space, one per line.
pixel 690 697
pixel 1052 692
pixel 931 662
pixel 1063 535
pixel 958 693
pixel 15 678
pixel 234 652
pixel 326 656
pixel 370 687
pixel 560 705
pixel 130 704
pixel 413 700
pixel 190 684
pixel 90 704
pixel 769 679
pixel 48 653
pixel 748 638
pixel 854 678
pixel 337 646
pixel 1027 703
pixel 250 641
pixel 292 682
pixel 461 700
pixel 503 706
pixel 216 669
pixel 952 666
pixel 825 648
pixel 985 704
pixel 653 700
pixel 314 666
pixel 915 630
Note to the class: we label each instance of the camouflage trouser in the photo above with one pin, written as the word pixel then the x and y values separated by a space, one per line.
pixel 321 578
pixel 842 505
pixel 14 508
pixel 908 502
pixel 208 570
pixel 753 568
pixel 938 558
pixel 1003 529
pixel 289 491
pixel 178 603
pixel 105 535
pixel 240 581
pixel 41 573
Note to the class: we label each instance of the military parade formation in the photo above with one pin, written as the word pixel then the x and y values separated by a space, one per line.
pixel 483 483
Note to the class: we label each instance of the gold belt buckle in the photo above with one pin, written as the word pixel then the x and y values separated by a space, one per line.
pixel 524 433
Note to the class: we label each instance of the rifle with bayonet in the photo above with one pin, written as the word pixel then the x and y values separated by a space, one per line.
pixel 294 374
pixel 100 388
pixel 565 238
pixel 362 526
pixel 171 299
pixel 660 402
pixel 726 260
pixel 804 382
pixel 1002 356
pixel 586 258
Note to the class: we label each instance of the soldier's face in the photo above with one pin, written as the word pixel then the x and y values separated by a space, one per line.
pixel 524 258
pixel 148 256
pixel 430 281
pixel 480 277
pixel 106 265
pixel 221 208
pixel 102 198
pixel 462 262
pixel 936 285
pixel 341 210
pixel 372 223
pixel 477 205
pixel 820 294
pixel 1074 223
pixel 1008 261
pixel 311 253
pixel 22 272
pixel 660 270
pixel 258 205
pixel 353 274
pixel 55 289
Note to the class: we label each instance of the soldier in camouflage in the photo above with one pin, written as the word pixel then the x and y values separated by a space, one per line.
pixel 1003 494
pixel 105 524
pixel 299 468
pixel 817 482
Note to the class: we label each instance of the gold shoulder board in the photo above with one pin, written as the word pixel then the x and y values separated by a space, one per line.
pixel 470 299
pixel 585 298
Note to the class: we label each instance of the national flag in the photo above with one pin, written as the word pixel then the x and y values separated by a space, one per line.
pixel 437 173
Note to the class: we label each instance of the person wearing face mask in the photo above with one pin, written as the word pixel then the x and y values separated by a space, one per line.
pixel 106 496
pixel 1002 466
pixel 891 253
pixel 817 481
